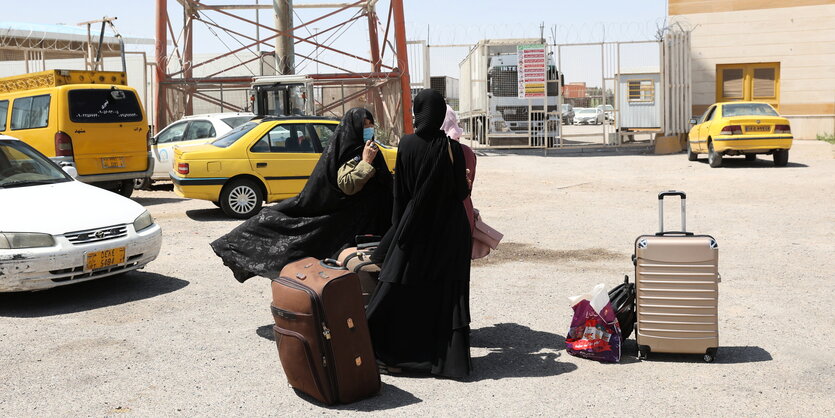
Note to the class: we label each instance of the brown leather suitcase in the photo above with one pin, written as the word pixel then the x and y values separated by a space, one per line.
pixel 324 344
pixel 677 290
pixel 359 261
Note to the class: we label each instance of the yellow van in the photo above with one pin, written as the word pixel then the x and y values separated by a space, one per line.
pixel 87 119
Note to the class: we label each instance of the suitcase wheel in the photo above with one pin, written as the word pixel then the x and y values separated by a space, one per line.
pixel 643 352
pixel 710 355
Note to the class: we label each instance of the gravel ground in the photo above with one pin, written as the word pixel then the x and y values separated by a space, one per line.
pixel 182 337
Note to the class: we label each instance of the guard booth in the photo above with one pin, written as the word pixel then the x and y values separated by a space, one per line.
pixel 639 103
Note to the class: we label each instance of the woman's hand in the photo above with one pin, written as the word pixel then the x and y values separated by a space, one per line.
pixel 369 152
pixel 469 182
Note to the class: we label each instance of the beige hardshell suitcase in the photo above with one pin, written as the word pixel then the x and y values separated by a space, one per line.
pixel 677 292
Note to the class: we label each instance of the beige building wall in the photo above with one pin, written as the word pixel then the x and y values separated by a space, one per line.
pixel 801 38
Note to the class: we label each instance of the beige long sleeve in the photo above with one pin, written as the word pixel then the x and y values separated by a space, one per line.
pixel 353 175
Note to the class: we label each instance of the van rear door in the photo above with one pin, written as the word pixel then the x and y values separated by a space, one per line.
pixel 108 130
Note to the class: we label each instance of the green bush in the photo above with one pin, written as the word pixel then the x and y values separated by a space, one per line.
pixel 827 137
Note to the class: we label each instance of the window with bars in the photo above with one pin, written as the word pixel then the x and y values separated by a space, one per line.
pixel 748 82
pixel 641 90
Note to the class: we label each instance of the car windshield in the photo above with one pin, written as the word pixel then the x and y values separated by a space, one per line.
pixel 236 121
pixel 21 165
pixel 606 107
pixel 587 112
pixel 566 108
pixel 747 109
pixel 235 134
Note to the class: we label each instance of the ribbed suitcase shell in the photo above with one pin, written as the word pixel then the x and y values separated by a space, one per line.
pixel 677 293
pixel 323 339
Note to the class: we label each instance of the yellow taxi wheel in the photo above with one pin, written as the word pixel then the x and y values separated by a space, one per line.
pixel 125 188
pixel 691 156
pixel 781 157
pixel 713 158
pixel 241 198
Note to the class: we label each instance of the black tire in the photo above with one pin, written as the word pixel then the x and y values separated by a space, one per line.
pixel 125 188
pixel 781 157
pixel 241 198
pixel 142 183
pixel 713 158
pixel 750 157
pixel 691 156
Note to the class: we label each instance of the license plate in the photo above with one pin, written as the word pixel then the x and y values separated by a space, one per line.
pixel 105 258
pixel 757 128
pixel 113 162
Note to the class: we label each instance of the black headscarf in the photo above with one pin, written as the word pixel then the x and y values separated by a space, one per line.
pixel 321 193
pixel 318 222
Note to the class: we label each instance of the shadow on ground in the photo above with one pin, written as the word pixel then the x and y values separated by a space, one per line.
pixel 266 332
pixel 208 215
pixel 517 351
pixel 730 162
pixel 85 296
pixel 725 355
pixel 150 201
pixel 518 252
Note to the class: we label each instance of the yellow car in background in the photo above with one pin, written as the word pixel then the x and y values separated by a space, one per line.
pixel 740 128
pixel 266 159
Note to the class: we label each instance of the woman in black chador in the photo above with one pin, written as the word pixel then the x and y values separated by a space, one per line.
pixel 349 193
pixel 419 315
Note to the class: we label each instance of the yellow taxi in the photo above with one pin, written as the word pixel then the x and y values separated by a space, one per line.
pixel 266 159
pixel 740 128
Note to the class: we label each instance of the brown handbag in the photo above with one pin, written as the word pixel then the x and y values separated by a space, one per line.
pixel 485 238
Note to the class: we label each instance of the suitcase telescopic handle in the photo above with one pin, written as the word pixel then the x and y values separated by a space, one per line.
pixel 661 197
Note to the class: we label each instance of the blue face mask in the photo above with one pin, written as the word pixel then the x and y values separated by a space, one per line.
pixel 367 134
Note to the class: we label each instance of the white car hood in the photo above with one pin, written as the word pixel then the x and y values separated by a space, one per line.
pixel 63 207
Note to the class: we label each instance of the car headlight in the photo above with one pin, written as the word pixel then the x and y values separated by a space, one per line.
pixel 143 221
pixel 19 240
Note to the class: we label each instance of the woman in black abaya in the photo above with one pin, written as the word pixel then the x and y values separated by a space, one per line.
pixel 419 315
pixel 322 219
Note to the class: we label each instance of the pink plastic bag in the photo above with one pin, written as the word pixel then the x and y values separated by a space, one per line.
pixel 594 333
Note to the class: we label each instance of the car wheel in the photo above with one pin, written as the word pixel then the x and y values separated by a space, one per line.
pixel 781 157
pixel 691 156
pixel 713 158
pixel 750 157
pixel 241 199
pixel 142 183
pixel 125 188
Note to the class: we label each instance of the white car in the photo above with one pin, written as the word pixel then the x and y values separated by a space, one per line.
pixel 588 116
pixel 55 230
pixel 190 130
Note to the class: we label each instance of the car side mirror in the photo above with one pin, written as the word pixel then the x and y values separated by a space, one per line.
pixel 71 170
pixel 692 121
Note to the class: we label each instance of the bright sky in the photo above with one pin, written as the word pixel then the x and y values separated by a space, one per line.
pixel 445 22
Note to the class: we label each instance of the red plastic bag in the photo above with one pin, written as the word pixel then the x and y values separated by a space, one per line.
pixel 594 332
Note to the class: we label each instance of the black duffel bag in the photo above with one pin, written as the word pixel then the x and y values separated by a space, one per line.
pixel 622 298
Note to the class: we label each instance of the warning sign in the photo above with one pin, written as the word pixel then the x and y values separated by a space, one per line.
pixel 531 70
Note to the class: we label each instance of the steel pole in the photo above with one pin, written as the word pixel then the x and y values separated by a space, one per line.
pixel 403 64
pixel 160 49
pixel 188 57
pixel 284 47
